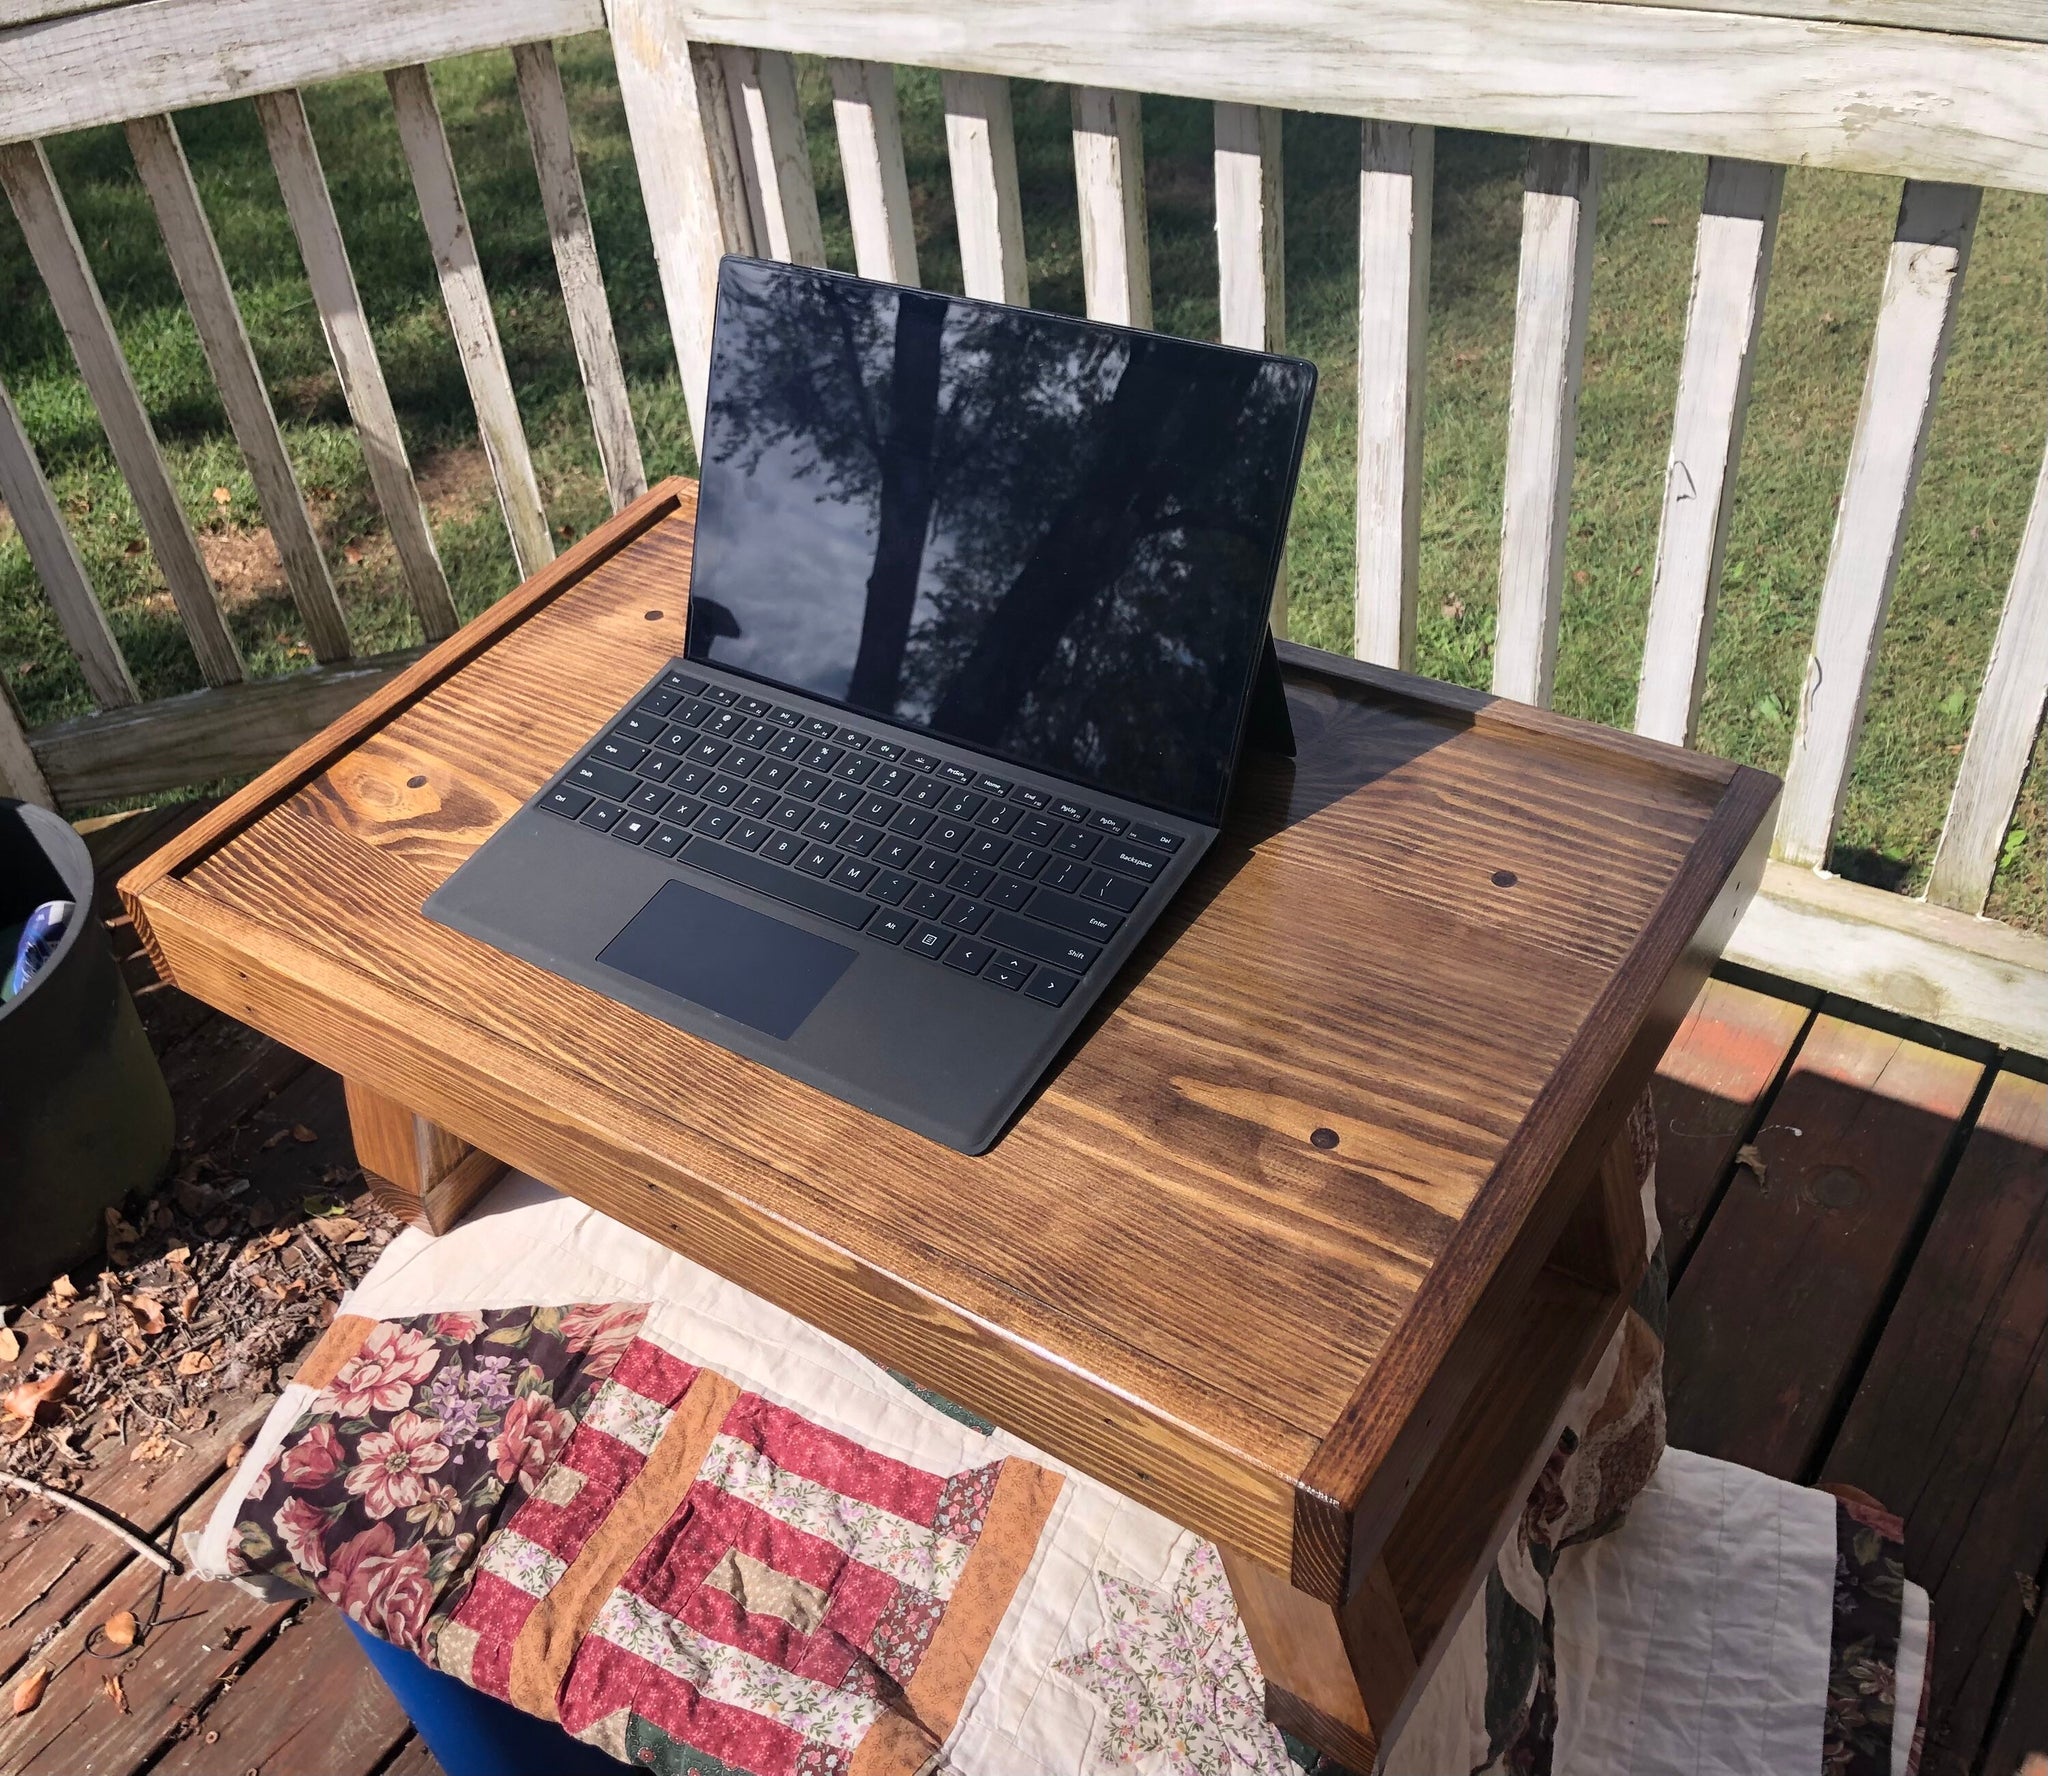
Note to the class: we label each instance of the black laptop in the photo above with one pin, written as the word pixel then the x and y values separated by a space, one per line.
pixel 978 612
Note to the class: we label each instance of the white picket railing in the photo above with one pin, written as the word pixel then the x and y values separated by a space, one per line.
pixel 1947 93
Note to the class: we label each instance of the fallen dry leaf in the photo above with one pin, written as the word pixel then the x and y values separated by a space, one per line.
pixel 178 1257
pixel 1747 1155
pixel 153 1449
pixel 65 1287
pixel 110 1687
pixel 221 496
pixel 10 1346
pixel 90 1351
pixel 28 1398
pixel 194 1363
pixel 148 1312
pixel 188 1304
pixel 29 1691
pixel 276 1138
pixel 341 1230
pixel 118 1630
pixel 303 1135
pixel 236 1451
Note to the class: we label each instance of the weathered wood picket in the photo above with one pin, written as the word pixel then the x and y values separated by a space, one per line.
pixel 1949 95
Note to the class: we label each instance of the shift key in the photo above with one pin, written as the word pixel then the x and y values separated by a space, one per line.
pixel 1009 932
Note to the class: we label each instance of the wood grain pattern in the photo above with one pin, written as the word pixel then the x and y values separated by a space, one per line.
pixel 590 316
pixel 1918 103
pixel 21 776
pixel 470 317
pixel 1731 266
pixel 1396 200
pixel 981 148
pixel 26 491
pixel 1427 1020
pixel 1923 284
pixel 870 127
pixel 2002 730
pixel 774 154
pixel 289 137
pixel 1949 1426
pixel 415 1168
pixel 1711 1084
pixel 1769 1322
pixel 75 294
pixel 1109 174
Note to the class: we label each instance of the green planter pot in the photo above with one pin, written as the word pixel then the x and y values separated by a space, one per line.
pixel 85 1116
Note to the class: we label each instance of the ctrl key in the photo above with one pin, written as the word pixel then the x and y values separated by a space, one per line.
pixel 1050 986
pixel 567 801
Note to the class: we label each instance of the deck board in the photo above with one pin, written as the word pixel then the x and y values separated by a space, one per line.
pixel 1790 1278
pixel 1950 1424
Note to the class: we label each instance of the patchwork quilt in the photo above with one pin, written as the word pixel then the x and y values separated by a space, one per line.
pixel 582 1474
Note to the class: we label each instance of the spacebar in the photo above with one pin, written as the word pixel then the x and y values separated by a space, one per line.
pixel 778 883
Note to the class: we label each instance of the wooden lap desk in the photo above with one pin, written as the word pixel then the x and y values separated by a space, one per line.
pixel 1304 1242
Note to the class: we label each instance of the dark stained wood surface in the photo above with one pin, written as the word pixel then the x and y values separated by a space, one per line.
pixel 1791 1278
pixel 1949 1426
pixel 1449 931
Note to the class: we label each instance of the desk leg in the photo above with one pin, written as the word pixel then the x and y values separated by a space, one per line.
pixel 1344 1678
pixel 415 1168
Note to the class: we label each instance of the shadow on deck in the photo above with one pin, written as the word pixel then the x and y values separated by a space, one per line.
pixel 1856 1218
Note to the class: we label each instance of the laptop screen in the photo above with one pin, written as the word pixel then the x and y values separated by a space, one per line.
pixel 1047 539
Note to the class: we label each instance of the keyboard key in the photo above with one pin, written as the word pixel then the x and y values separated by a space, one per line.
pixel 891 927
pixel 853 737
pixel 855 872
pixel 995 786
pixel 1102 820
pixel 1050 985
pixel 875 810
pixel 677 740
pixel 751 871
pixel 692 713
pixel 890 780
pixel 1031 798
pixel 968 954
pixel 684 809
pixel 1077 841
pixel 842 798
pixel 920 761
pixel 949 834
pixel 724 790
pixel 896 853
pixel 889 886
pixel 1075 915
pixel 1027 860
pixel 822 757
pixel 967 915
pixel 646 729
pixel 758 734
pixel 933 866
pixel 725 723
pixel 691 778
pixel 567 801
pixel 719 694
pixel 886 749
pixel 660 702
pixel 929 941
pixel 1066 875
pixel 658 767
pixel 1075 811
pixel 1011 892
pixel 964 803
pixel 860 838
pixel 682 681
pixel 790 814
pixel 927 903
pixel 1041 941
pixel 817 728
pixel 753 705
pixel 824 826
pixel 1117 891
pixel 788 718
pixel 602 779
pixel 785 847
pixel 757 801
pixel 970 878
pixel 926 792
pixel 956 773
pixel 1035 829
pixel 749 835
pixel 740 762
pixel 985 848
pixel 1008 970
pixel 667 841
pixel 818 860
pixel 716 821
pixel 602 815
pixel 774 772
pixel 1132 860
pixel 1000 817
pixel 789 746
pixel 913 823
pixel 855 767
pixel 709 752
pixel 806 784
pixel 652 799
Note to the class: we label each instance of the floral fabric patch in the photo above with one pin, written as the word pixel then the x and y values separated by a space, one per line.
pixel 403 1462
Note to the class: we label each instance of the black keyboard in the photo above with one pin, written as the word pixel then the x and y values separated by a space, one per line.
pixel 933 855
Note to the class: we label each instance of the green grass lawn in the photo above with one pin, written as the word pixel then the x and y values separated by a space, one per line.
pixel 1826 278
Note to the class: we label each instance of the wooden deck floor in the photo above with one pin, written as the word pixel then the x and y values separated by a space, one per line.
pixel 1857 1224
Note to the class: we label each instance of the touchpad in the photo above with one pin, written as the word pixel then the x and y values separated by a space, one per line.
pixel 728 959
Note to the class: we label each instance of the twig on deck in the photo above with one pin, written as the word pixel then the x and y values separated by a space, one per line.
pixel 71 1502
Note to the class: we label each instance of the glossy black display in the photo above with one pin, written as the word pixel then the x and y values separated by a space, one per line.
pixel 1047 539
